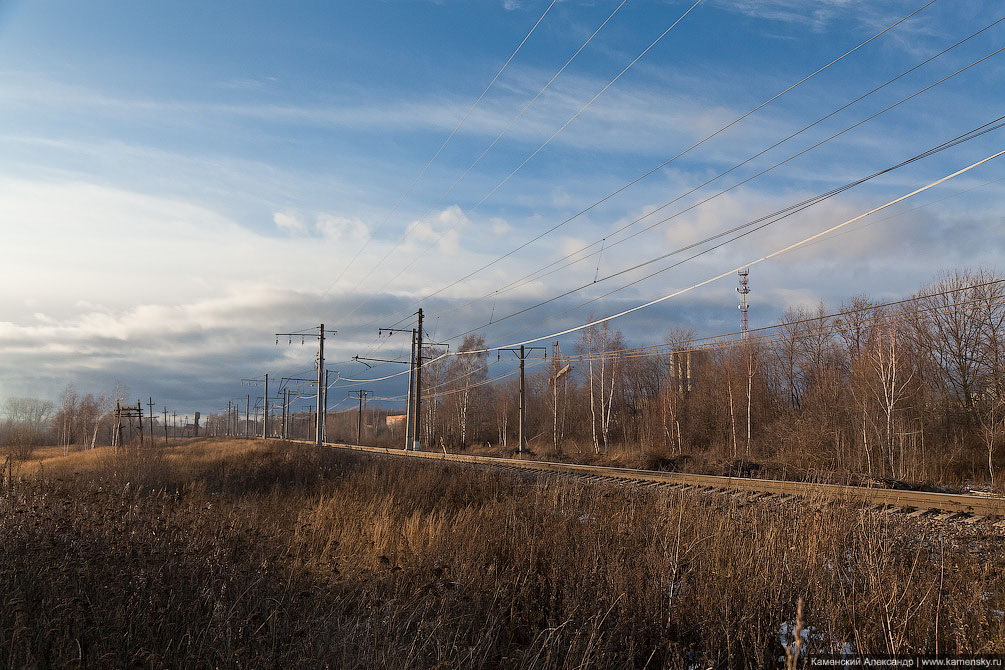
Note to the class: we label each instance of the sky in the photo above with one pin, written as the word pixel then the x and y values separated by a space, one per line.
pixel 181 181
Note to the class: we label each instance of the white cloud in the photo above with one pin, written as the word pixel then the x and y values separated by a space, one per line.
pixel 289 223
pixel 500 227
pixel 341 229
pixel 444 229
pixel 571 245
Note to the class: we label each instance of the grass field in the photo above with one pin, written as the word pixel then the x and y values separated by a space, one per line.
pixel 222 553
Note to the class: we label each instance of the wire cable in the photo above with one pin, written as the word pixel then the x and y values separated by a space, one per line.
pixel 440 236
pixel 535 275
pixel 757 261
pixel 666 162
pixel 425 168
pixel 753 226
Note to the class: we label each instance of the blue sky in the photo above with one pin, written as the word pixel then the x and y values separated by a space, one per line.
pixel 178 181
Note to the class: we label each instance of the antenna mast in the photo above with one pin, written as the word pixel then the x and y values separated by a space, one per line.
pixel 743 290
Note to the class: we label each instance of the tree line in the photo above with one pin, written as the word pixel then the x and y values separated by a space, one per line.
pixel 911 390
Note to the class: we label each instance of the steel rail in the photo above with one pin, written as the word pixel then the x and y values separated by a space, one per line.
pixel 978 506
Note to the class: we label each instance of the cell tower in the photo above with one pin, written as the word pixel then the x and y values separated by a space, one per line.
pixel 743 290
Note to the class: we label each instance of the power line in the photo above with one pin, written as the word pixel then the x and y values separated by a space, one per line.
pixel 758 224
pixel 534 275
pixel 582 109
pixel 705 282
pixel 523 111
pixel 715 341
pixel 666 162
pixel 422 172
pixel 762 259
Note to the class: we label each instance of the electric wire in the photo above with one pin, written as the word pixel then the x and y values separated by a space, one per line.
pixel 673 158
pixel 442 146
pixel 774 254
pixel 753 226
pixel 537 274
pixel 439 236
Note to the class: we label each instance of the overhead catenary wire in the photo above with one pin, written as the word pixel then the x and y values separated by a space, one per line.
pixel 751 263
pixel 544 271
pixel 439 236
pixel 697 144
pixel 755 337
pixel 705 282
pixel 750 227
pixel 520 114
pixel 442 146
pixel 734 340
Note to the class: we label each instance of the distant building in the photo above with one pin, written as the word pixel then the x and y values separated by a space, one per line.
pixel 396 419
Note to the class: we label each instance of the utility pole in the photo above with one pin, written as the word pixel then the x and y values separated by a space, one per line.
pixel 361 394
pixel 230 417
pixel 282 428
pixel 411 430
pixel 165 425
pixel 321 384
pixel 324 414
pixel 522 353
pixel 117 434
pixel 247 417
pixel 151 417
pixel 255 382
pixel 321 374
pixel 174 423
pixel 523 403
pixel 409 409
pixel 414 397
pixel 139 416
pixel 417 412
pixel 265 409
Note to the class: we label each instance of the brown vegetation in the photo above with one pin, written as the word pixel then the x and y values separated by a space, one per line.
pixel 908 393
pixel 243 554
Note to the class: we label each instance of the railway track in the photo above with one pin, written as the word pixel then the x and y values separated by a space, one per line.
pixel 943 506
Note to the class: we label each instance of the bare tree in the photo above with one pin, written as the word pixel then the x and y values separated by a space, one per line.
pixel 893 374
pixel 947 326
pixel 466 374
pixel 992 422
pixel 596 343
pixel 26 420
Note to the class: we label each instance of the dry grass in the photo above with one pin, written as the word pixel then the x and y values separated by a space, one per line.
pixel 236 554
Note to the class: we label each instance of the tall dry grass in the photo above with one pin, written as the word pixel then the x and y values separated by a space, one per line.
pixel 274 555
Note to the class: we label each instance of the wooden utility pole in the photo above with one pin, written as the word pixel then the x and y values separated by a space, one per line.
pixel 265 409
pixel 522 353
pixel 139 417
pixel 361 394
pixel 409 408
pixel 247 417
pixel 117 430
pixel 174 423
pixel 165 425
pixel 417 412
pixel 150 404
